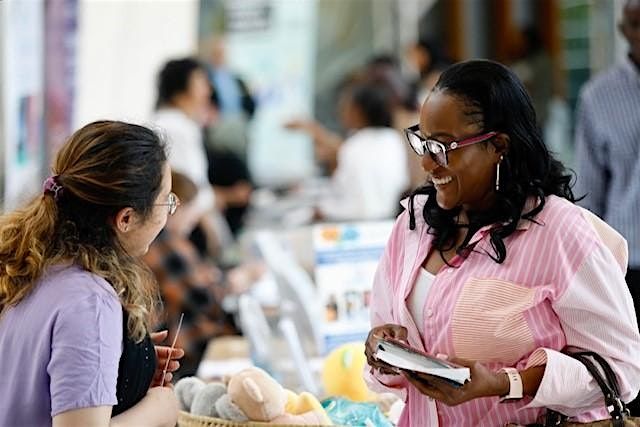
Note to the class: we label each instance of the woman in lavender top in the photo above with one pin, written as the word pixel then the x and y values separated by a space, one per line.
pixel 75 301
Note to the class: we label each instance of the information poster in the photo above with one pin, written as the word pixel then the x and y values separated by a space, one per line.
pixel 346 258
pixel 23 99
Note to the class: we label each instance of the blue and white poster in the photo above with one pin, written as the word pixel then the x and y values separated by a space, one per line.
pixel 346 258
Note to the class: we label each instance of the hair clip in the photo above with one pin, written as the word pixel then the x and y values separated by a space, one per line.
pixel 51 185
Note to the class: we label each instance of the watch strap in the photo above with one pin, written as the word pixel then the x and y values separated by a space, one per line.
pixel 515 384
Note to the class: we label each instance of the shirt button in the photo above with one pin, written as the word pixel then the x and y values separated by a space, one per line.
pixel 429 313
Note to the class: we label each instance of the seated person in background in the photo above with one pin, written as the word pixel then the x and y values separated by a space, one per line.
pixel 228 174
pixel 369 168
pixel 371 171
pixel 231 180
pixel 182 111
pixel 189 283
pixel 382 72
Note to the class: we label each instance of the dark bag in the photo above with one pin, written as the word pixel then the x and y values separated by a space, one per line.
pixel 618 411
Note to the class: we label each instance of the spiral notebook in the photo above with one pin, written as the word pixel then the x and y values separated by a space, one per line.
pixel 401 356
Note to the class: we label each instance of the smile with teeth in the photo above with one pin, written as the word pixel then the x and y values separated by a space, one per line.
pixel 441 181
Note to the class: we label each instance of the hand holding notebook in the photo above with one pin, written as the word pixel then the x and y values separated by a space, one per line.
pixel 403 357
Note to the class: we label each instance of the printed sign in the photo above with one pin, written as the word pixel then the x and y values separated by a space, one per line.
pixel 346 257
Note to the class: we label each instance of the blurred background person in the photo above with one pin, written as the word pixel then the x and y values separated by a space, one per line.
pixel 371 168
pixel 532 64
pixel 607 148
pixel 428 59
pixel 381 71
pixel 228 173
pixel 235 102
pixel 183 109
pixel 191 284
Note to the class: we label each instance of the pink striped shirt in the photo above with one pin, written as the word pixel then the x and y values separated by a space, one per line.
pixel 562 284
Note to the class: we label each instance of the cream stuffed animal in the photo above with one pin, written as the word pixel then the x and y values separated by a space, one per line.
pixel 251 395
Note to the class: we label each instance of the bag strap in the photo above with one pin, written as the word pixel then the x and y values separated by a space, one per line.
pixel 610 376
pixel 609 386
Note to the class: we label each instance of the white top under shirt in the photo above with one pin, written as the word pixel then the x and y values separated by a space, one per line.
pixel 418 296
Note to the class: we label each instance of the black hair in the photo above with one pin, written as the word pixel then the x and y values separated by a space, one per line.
pixel 498 100
pixel 374 102
pixel 173 79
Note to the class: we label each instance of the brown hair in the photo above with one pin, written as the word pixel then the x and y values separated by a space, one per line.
pixel 102 168
pixel 183 187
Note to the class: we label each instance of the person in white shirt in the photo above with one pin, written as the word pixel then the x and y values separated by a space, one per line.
pixel 182 108
pixel 371 172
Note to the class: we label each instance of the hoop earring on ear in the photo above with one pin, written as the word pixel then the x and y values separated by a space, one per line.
pixel 498 174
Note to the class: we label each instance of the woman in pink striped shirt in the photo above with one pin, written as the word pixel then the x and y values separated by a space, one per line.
pixel 494 266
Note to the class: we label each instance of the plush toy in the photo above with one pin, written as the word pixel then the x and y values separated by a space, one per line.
pixel 300 403
pixel 342 373
pixel 257 394
pixel 186 389
pixel 250 395
pixel 202 401
pixel 306 405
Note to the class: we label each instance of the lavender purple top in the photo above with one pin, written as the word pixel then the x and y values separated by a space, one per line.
pixel 59 348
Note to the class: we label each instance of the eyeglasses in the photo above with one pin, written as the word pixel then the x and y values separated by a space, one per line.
pixel 172 201
pixel 436 149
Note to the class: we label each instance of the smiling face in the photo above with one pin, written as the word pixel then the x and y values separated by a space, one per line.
pixel 468 180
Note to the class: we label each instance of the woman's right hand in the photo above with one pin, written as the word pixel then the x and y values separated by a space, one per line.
pixel 166 404
pixel 387 331
pixel 158 408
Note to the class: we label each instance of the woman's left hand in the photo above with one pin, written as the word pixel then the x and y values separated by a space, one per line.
pixel 164 353
pixel 483 383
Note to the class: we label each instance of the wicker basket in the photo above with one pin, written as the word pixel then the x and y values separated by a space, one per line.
pixel 185 419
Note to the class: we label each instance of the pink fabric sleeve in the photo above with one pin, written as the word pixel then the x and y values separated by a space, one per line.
pixel 597 314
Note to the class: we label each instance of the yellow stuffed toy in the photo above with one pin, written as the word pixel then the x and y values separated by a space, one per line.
pixel 342 373
pixel 304 402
